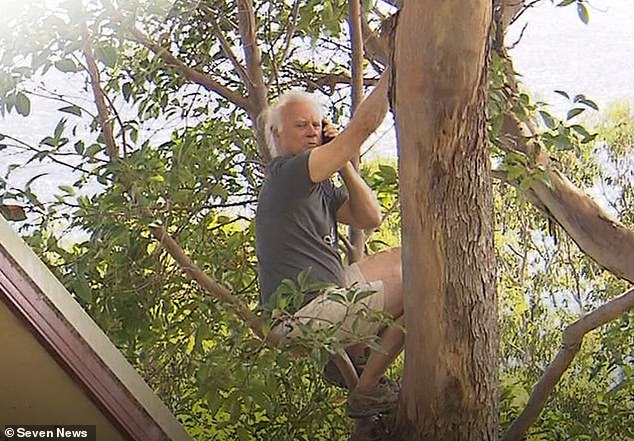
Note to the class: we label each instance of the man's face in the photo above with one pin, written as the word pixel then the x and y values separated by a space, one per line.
pixel 300 130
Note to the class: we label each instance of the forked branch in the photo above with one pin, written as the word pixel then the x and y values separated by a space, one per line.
pixel 570 345
pixel 179 66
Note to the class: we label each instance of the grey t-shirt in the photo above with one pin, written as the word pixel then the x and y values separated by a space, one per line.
pixel 296 226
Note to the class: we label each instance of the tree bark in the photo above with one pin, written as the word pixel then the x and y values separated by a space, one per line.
pixel 604 239
pixel 450 386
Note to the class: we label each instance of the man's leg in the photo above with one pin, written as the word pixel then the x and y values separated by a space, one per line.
pixel 384 266
pixel 391 341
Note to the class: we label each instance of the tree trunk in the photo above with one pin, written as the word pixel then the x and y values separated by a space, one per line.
pixel 450 386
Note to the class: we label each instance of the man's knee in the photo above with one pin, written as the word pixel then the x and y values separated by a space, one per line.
pixel 384 265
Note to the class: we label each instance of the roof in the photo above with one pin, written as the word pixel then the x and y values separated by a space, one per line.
pixel 43 308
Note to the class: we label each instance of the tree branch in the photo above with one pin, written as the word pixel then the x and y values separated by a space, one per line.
pixel 520 8
pixel 224 44
pixel 570 345
pixel 252 55
pixel 290 30
pixel 332 79
pixel 604 239
pixel 191 74
pixel 255 84
pixel 103 115
pixel 206 282
pixel 27 147
pixel 376 48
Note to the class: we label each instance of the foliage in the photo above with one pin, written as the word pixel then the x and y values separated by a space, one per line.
pixel 545 284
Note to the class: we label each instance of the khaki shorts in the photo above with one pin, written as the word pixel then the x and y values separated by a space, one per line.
pixel 324 311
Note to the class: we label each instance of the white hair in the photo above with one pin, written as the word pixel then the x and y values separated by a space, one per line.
pixel 271 117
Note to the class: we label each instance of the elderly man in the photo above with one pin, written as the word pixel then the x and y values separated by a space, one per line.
pixel 296 229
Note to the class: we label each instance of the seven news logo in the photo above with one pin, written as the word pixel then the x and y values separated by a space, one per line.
pixel 50 433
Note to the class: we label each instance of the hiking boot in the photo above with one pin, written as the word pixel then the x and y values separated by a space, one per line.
pixel 332 374
pixel 382 399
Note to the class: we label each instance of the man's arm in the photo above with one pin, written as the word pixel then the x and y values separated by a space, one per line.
pixel 331 157
pixel 361 209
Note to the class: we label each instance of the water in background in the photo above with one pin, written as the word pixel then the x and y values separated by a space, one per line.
pixel 559 51
pixel 556 51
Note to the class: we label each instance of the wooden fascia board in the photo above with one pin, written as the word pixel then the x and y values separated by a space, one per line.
pixel 29 288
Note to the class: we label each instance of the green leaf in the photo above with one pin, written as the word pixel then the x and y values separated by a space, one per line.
pixel 243 435
pixel 566 2
pixel 59 128
pixel 82 289
pixel 74 110
pixel 589 138
pixel 589 103
pixel 108 55
pixel 92 150
pixel 562 93
pixel 66 65
pixel 67 189
pixel 126 89
pixel 79 147
pixel 548 119
pixel 214 401
pixel 49 141
pixel 583 13
pixel 574 112
pixel 580 130
pixel 562 142
pixel 388 173
pixel 23 104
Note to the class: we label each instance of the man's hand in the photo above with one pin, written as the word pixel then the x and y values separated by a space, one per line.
pixel 328 131
pixel 326 159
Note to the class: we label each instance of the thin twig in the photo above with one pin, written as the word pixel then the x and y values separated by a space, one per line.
pixel 524 9
pixel 24 146
pixel 290 31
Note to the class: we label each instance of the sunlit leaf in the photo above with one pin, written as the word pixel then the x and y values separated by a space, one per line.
pixel 582 11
